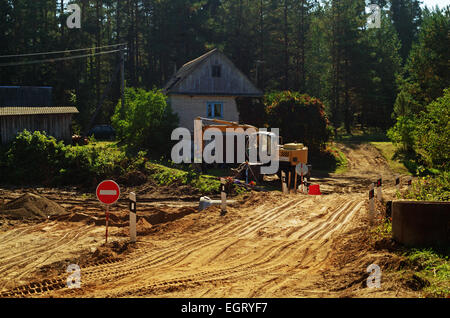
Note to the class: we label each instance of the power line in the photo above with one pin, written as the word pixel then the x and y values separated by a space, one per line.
pixel 57 59
pixel 59 52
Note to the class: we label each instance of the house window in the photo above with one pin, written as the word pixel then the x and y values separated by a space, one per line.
pixel 216 70
pixel 214 110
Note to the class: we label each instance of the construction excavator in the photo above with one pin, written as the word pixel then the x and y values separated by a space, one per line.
pixel 292 157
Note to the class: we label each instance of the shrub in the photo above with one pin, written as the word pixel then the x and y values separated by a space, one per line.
pixel 87 165
pixel 300 118
pixel 430 188
pixel 145 122
pixel 403 133
pixel 433 132
pixel 33 157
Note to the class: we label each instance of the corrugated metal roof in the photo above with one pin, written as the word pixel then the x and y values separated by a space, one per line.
pixel 17 111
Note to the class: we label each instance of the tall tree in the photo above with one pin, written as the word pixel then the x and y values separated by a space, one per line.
pixel 406 15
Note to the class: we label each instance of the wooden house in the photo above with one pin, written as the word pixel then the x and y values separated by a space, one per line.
pixel 208 87
pixel 30 108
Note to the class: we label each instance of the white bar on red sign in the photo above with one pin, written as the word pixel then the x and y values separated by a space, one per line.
pixel 108 192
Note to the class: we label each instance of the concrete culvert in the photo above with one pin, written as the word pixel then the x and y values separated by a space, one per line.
pixel 421 223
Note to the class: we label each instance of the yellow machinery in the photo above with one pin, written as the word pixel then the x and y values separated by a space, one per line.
pixel 290 155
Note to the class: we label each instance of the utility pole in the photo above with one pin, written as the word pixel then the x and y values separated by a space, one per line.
pixel 122 75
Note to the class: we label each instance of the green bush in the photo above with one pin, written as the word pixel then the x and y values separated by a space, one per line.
pixel 33 157
pixel 403 133
pixel 300 118
pixel 86 165
pixel 433 132
pixel 430 188
pixel 145 122
pixel 425 135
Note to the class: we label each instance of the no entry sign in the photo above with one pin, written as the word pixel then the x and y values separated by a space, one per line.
pixel 108 192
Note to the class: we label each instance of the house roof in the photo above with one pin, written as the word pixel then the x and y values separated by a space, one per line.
pixel 187 69
pixel 190 67
pixel 17 111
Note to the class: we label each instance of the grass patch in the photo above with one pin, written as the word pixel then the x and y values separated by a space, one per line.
pixel 166 176
pixel 358 136
pixel 388 150
pixel 430 188
pixel 431 266
pixel 341 160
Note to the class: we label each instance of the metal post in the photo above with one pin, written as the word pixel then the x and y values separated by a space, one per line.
pixel 133 217
pixel 283 182
pixel 371 203
pixel 379 194
pixel 223 196
pixel 107 218
pixel 122 75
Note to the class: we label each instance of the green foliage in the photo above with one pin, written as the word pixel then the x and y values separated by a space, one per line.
pixel 85 164
pixel 300 118
pixel 248 107
pixel 145 122
pixel 433 132
pixel 434 266
pixel 425 135
pixel 403 132
pixel 428 68
pixel 430 188
pixel 33 156
pixel 171 176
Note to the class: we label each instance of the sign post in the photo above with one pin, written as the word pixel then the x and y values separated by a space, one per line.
pixel 379 194
pixel 283 182
pixel 107 192
pixel 397 183
pixel 371 204
pixel 132 217
pixel 223 196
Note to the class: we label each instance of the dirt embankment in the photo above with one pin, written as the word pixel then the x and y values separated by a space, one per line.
pixel 267 245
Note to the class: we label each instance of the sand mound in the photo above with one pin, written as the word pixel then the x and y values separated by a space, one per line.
pixel 31 206
pixel 143 227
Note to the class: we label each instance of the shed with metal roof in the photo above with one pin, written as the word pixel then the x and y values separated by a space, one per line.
pixel 37 115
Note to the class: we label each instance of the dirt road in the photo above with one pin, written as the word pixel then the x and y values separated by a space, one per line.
pixel 268 245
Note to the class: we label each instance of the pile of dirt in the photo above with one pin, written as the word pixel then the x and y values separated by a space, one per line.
pixel 167 214
pixel 143 227
pixel 31 207
pixel 133 178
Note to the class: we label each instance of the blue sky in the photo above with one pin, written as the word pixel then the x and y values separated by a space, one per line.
pixel 433 3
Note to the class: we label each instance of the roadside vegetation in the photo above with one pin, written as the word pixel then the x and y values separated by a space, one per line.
pixel 424 269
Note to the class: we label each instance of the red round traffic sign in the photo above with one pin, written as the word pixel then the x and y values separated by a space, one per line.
pixel 108 192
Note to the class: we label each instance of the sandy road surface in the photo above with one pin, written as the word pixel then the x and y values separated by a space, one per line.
pixel 269 246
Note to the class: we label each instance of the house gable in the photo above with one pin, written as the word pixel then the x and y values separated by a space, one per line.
pixel 211 74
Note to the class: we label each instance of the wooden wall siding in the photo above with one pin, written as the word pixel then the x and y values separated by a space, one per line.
pixel 58 126
pixel 231 82
pixel 189 107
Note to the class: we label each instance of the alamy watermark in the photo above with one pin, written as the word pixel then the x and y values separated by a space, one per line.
pixel 74 279
pixel 74 20
pixel 255 146
pixel 374 20
pixel 374 279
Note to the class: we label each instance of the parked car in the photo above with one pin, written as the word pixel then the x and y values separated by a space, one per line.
pixel 102 132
